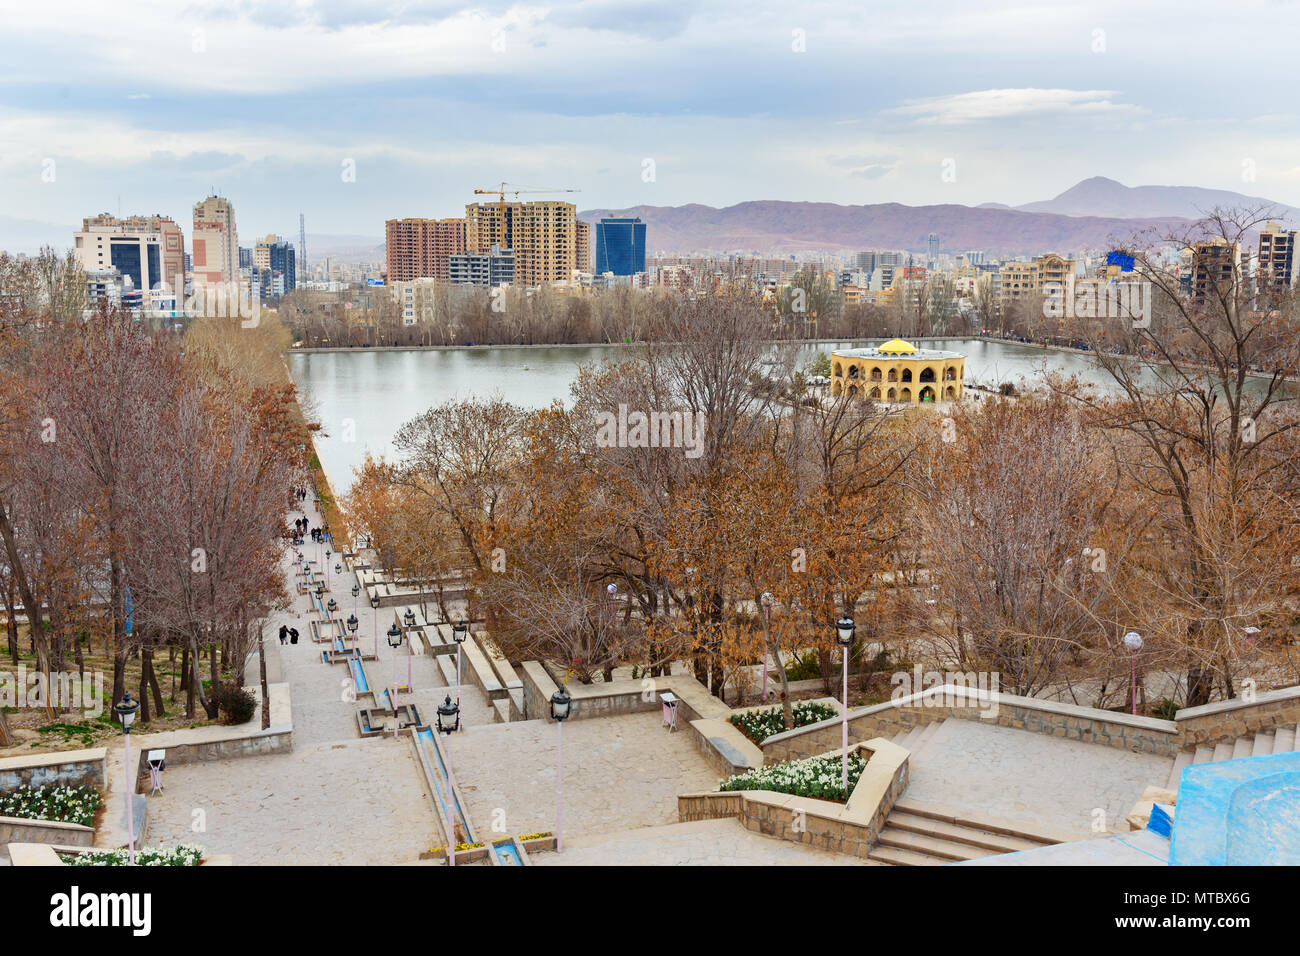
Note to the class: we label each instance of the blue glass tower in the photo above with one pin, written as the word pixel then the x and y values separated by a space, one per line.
pixel 620 246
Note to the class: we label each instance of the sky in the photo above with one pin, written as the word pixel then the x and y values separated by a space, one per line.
pixel 356 112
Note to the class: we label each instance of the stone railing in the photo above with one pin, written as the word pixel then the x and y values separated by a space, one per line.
pixel 843 828
pixel 54 832
pixel 1067 721
pixel 1229 719
pixel 65 768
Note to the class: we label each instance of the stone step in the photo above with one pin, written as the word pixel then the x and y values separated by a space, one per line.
pixel 1262 745
pixel 896 857
pixel 1222 751
pixel 979 822
pixel 942 850
pixel 1284 740
pixel 1181 761
pixel 1241 748
pixel 956 833
pixel 910 739
pixel 1204 754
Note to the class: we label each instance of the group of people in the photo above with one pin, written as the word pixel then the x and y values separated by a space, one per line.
pixel 288 635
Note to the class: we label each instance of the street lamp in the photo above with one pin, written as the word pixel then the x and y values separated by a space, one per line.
pixel 409 620
pixel 394 641
pixel 460 631
pixel 356 589
pixel 560 704
pixel 844 629
pixel 353 624
pixel 327 567
pixel 448 723
pixel 126 709
pixel 766 600
pixel 1133 641
pixel 374 622
pixel 332 606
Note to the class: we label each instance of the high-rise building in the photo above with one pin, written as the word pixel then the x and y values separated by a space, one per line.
pixel 1216 268
pixel 620 246
pixel 542 236
pixel 245 257
pixel 582 246
pixel 494 268
pixel 158 243
pixel 420 248
pixel 216 242
pixel 1277 249
pixel 932 247
pixel 275 265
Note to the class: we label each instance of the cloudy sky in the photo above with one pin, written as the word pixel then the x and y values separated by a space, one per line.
pixel 271 102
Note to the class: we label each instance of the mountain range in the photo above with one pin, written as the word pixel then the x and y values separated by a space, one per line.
pixel 1093 214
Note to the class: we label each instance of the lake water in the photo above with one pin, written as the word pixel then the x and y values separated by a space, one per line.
pixel 362 397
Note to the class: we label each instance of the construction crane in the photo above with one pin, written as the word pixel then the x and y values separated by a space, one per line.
pixel 514 189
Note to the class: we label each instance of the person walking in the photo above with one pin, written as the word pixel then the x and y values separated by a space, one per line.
pixel 284 633
pixel 293 635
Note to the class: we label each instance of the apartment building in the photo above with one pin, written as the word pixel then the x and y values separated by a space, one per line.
pixel 1020 280
pixel 582 248
pixel 421 248
pixel 1276 266
pixel 493 269
pixel 542 235
pixel 215 242
pixel 1216 267
pixel 149 249
pixel 275 267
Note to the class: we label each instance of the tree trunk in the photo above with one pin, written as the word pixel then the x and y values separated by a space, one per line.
pixel 147 671
pixel 6 735
pixel 1198 686
pixel 40 643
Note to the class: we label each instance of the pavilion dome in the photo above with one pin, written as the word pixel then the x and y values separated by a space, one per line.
pixel 897 347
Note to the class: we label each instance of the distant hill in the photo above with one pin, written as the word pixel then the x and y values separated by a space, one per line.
pixel 1100 196
pixel 779 228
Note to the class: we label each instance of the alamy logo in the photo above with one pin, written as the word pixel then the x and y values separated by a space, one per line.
pixel 74 909
pixel 951 689
pixel 66 690
pixel 638 429
pixel 1098 300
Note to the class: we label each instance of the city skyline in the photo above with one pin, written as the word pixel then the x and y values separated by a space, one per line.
pixel 275 108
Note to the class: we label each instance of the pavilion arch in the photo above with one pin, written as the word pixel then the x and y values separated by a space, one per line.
pixel 950 393
pixel 854 371
pixel 853 391
pixel 893 395
pixel 906 396
pixel 875 393
pixel 839 369
pixel 893 375
pixel 927 394
pixel 907 375
pixel 837 388
pixel 949 374
pixel 875 373
pixel 927 374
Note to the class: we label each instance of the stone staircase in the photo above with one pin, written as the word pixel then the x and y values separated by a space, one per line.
pixel 919 835
pixel 1279 741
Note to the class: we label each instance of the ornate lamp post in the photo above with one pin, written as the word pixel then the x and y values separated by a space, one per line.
pixel 409 620
pixel 1133 641
pixel 394 641
pixel 374 622
pixel 844 629
pixel 327 568
pixel 126 710
pixel 353 624
pixel 766 600
pixel 356 589
pixel 449 723
pixel 561 703
pixel 460 631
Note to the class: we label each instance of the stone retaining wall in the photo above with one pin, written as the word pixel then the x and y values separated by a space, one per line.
pixel 66 768
pixel 273 740
pixel 1229 719
pixel 842 828
pixel 1067 721
pixel 52 832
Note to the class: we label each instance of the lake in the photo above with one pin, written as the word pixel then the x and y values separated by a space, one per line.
pixel 362 397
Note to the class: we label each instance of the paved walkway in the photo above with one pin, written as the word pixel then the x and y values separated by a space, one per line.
pixel 1032 778
pixel 699 843
pixel 620 773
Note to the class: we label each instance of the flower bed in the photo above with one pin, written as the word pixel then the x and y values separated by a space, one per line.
pixel 187 854
pixel 818 777
pixel 60 804
pixel 758 725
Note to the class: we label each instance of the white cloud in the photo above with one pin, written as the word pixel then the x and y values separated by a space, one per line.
pixel 984 105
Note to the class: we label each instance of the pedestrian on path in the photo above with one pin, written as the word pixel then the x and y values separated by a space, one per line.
pixel 293 635
pixel 284 633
